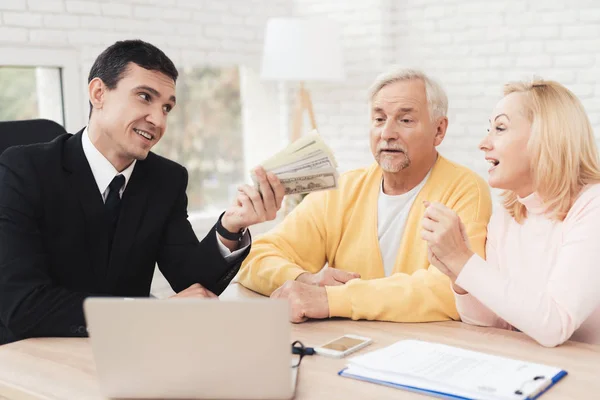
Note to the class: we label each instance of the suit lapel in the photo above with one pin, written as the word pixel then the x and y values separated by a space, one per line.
pixel 133 207
pixel 82 183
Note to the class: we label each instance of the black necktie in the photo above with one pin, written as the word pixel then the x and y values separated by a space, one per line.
pixel 113 204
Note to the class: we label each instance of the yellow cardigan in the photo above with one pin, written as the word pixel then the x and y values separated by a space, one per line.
pixel 340 227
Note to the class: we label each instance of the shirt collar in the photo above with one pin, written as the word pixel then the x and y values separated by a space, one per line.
pixel 102 169
pixel 533 203
pixel 411 192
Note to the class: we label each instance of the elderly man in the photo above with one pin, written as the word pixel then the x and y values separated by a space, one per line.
pixel 368 230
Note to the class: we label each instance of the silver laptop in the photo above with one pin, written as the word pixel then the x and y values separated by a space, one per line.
pixel 191 348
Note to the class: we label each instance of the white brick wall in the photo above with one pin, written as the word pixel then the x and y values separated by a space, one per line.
pixel 82 7
pixel 201 32
pixel 55 6
pixel 12 35
pixel 117 9
pixel 22 19
pixel 14 4
pixel 472 46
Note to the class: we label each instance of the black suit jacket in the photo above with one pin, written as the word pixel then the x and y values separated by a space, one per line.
pixel 54 238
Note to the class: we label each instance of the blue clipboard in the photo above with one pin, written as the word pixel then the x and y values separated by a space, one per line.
pixel 442 395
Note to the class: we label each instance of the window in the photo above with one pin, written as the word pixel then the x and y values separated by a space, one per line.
pixel 31 92
pixel 204 134
pixel 42 83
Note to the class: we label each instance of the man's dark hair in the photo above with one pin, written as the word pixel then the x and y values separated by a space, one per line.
pixel 111 64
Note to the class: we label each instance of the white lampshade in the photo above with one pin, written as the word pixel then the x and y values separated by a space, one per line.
pixel 299 49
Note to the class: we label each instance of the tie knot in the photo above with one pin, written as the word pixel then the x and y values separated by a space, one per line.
pixel 117 183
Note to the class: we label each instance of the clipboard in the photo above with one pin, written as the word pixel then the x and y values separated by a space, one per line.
pixel 423 367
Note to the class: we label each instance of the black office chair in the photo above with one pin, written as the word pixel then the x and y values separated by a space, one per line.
pixel 14 133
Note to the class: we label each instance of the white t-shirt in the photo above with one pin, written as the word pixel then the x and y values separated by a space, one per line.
pixel 392 213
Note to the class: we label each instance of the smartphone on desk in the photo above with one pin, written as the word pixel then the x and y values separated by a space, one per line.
pixel 343 346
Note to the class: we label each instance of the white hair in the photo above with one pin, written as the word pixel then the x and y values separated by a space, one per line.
pixel 436 96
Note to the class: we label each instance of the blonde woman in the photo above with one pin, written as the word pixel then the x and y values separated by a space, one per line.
pixel 542 273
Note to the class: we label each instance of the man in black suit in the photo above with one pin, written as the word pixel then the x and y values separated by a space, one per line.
pixel 90 214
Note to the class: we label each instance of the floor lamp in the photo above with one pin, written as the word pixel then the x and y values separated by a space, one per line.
pixel 302 50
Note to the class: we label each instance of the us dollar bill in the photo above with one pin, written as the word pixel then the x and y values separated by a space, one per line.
pixel 310 165
pixel 304 166
pixel 308 183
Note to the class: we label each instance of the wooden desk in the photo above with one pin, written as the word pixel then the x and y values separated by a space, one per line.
pixel 62 368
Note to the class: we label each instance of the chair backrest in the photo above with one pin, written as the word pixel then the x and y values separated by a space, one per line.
pixel 14 133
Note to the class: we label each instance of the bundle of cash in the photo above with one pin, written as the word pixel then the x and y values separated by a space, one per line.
pixel 306 165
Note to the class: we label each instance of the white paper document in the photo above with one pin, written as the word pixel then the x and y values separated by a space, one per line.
pixel 451 372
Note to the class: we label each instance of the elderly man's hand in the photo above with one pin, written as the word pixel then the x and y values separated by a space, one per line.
pixel 306 301
pixel 327 277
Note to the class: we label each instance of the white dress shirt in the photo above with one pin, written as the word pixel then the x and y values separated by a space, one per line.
pixel 104 172
pixel 392 213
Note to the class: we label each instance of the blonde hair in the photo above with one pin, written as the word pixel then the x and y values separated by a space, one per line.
pixel 564 156
pixel 436 96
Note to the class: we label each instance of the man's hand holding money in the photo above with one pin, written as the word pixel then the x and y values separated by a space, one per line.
pixel 252 205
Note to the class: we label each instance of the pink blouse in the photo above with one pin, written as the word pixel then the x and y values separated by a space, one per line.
pixel 541 277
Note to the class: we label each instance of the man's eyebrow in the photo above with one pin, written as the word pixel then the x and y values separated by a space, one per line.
pixel 403 109
pixel 154 92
